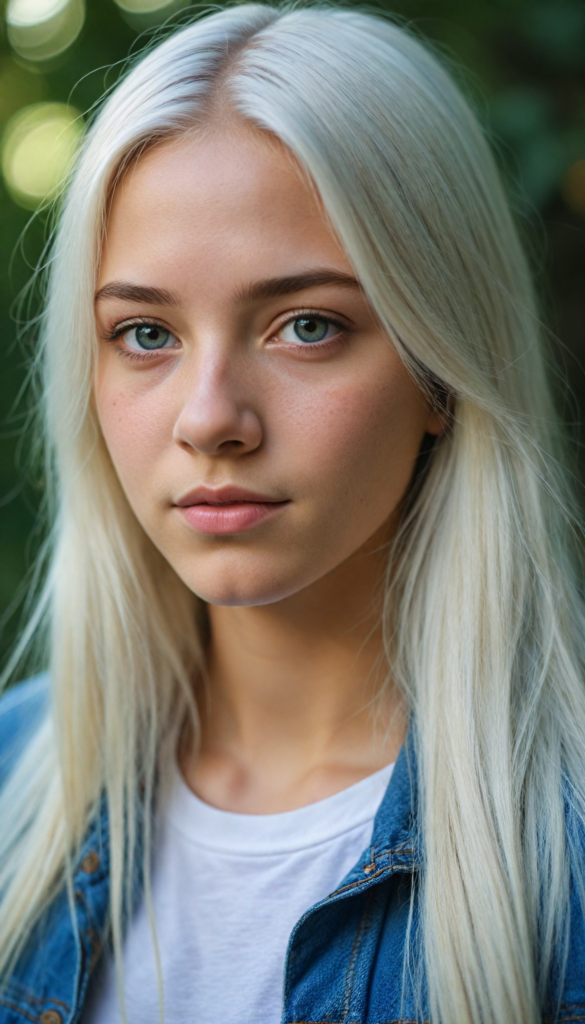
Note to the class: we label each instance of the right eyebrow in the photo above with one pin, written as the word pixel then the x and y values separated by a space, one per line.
pixel 137 293
pixel 274 287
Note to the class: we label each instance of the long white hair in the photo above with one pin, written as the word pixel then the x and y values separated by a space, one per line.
pixel 484 619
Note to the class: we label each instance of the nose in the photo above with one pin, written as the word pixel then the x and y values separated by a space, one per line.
pixel 217 416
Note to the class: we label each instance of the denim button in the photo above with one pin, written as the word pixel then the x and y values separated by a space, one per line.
pixel 89 864
pixel 51 1017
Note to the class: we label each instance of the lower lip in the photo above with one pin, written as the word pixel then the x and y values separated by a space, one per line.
pixel 235 518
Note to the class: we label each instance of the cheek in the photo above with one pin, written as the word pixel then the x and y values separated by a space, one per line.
pixel 359 439
pixel 137 426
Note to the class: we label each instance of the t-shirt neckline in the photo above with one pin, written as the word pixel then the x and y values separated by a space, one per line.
pixel 284 832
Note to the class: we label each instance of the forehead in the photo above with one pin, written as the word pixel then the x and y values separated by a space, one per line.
pixel 224 198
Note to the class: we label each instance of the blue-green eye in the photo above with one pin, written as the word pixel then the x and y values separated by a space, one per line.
pixel 308 329
pixel 148 338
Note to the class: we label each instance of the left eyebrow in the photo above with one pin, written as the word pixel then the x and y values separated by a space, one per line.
pixel 273 287
pixel 137 293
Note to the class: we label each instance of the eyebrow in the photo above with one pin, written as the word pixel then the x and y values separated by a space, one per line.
pixel 137 293
pixel 272 287
pixel 269 288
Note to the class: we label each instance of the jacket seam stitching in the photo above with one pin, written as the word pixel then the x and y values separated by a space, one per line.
pixel 350 976
pixel 18 1009
pixel 30 997
pixel 390 869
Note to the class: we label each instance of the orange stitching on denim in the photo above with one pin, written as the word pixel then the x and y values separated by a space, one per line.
pixel 13 1006
pixel 397 851
pixel 30 997
pixel 80 895
pixel 391 867
pixel 349 978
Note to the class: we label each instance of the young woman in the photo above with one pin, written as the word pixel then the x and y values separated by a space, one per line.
pixel 312 748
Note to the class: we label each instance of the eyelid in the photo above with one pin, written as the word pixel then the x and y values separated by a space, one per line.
pixel 333 318
pixel 325 314
pixel 121 326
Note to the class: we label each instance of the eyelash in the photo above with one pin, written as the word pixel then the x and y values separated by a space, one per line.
pixel 117 331
pixel 140 321
pixel 317 346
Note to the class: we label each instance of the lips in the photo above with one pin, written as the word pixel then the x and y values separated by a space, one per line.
pixel 228 509
pixel 227 495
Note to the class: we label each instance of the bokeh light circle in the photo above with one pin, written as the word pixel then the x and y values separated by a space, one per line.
pixel 144 6
pixel 38 147
pixel 31 12
pixel 39 30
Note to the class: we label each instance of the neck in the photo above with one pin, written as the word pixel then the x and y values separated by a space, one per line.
pixel 297 704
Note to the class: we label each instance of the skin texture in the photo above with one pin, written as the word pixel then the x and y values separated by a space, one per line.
pixel 334 431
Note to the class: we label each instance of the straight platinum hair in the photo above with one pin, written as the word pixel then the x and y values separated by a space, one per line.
pixel 484 618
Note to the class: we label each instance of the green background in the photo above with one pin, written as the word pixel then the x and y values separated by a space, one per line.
pixel 522 64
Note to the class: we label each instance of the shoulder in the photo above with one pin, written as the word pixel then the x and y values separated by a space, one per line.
pixel 21 709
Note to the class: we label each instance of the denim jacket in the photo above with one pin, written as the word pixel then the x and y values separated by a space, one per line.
pixel 345 956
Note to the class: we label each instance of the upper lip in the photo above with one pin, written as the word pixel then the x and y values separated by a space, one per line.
pixel 227 495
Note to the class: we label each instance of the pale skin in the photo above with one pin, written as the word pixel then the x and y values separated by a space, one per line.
pixel 233 396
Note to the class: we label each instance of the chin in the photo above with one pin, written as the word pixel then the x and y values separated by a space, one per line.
pixel 241 586
pixel 238 595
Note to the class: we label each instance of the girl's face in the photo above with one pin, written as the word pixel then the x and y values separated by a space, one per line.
pixel 262 426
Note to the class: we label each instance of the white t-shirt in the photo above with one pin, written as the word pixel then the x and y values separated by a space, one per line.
pixel 227 891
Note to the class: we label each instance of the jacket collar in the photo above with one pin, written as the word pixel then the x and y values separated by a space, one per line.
pixel 395 824
pixel 396 845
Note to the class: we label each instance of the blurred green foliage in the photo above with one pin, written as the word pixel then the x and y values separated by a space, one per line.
pixel 522 64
